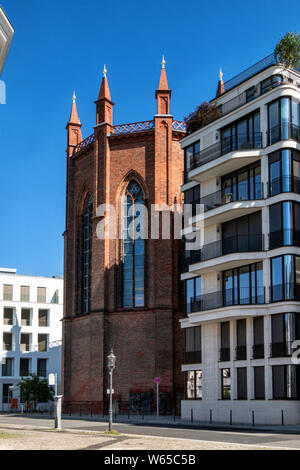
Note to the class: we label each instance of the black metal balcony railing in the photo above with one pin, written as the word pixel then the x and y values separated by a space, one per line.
pixel 227 145
pixel 284 131
pixel 226 246
pixel 242 192
pixel 227 298
pixel 281 349
pixel 285 292
pixel 284 238
pixel 285 184
pixel 192 357
pixel 258 351
pixel 224 354
pixel 241 352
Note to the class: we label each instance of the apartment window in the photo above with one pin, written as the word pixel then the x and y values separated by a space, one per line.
pixel 7 341
pixel 7 367
pixel 285 272
pixel 192 353
pixel 42 367
pixel 193 292
pixel 242 134
pixel 55 298
pixel 41 295
pixel 284 171
pixel 243 185
pixel 8 316
pixel 283 120
pixel 250 94
pixel 7 292
pixel 285 330
pixel 244 285
pixel 25 342
pixel 270 83
pixel 226 384
pixel 191 154
pixel 133 246
pixel 24 367
pixel 225 342
pixel 43 318
pixel 192 197
pixel 258 338
pixel 193 385
pixel 25 317
pixel 259 383
pixel 243 234
pixel 42 343
pixel 285 382
pixel 242 383
pixel 6 393
pixel 241 341
pixel 284 224
pixel 25 293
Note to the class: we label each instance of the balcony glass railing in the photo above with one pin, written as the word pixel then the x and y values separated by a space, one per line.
pixel 227 145
pixel 224 354
pixel 283 132
pixel 285 184
pixel 228 297
pixel 285 292
pixel 284 238
pixel 245 191
pixel 281 349
pixel 258 351
pixel 192 357
pixel 241 352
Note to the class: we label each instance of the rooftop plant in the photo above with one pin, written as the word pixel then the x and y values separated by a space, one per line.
pixel 203 115
pixel 287 51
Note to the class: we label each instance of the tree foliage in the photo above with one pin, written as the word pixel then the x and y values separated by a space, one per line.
pixel 203 115
pixel 287 51
pixel 36 390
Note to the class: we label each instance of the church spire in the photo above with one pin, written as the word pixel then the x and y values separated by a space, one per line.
pixel 221 88
pixel 73 128
pixel 163 94
pixel 104 104
pixel 74 119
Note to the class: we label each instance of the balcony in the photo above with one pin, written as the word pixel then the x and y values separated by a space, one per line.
pixel 242 192
pixel 258 351
pixel 285 184
pixel 228 298
pixel 287 292
pixel 241 353
pixel 283 132
pixel 281 349
pixel 284 238
pixel 192 357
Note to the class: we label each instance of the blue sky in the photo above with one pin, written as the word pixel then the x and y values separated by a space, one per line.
pixel 62 45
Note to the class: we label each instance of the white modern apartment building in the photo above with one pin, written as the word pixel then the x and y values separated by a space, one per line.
pixel 31 311
pixel 242 288
pixel 6 35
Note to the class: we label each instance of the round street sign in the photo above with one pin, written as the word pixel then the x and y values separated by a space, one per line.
pixel 157 380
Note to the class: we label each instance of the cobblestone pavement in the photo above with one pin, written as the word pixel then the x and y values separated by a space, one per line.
pixel 13 437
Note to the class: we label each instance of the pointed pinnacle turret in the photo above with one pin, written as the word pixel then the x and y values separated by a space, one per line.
pixel 104 90
pixel 74 119
pixel 163 83
pixel 221 88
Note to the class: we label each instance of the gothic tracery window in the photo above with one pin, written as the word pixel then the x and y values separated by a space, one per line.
pixel 133 247
pixel 86 254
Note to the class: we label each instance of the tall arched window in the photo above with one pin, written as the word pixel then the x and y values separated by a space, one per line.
pixel 133 247
pixel 86 255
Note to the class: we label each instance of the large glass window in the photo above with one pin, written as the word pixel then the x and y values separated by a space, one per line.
pixel 226 384
pixel 193 385
pixel 7 367
pixel 285 330
pixel 192 354
pixel 242 383
pixel 191 154
pixel 133 247
pixel 258 338
pixel 193 293
pixel 285 224
pixel 285 278
pixel 244 285
pixel 270 83
pixel 283 120
pixel 284 170
pixel 259 383
pixel 86 255
pixel 243 134
pixel 243 185
pixel 286 382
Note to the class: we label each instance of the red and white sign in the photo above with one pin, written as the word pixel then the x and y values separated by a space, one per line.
pixel 157 380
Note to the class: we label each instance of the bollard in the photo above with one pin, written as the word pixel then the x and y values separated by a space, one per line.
pixel 230 417
pixel 210 416
pixel 282 418
pixel 253 418
pixel 192 415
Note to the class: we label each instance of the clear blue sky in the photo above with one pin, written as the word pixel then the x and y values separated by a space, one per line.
pixel 62 45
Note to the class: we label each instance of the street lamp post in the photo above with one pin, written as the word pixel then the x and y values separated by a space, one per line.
pixel 111 363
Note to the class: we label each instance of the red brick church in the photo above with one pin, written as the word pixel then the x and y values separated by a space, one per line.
pixel 122 293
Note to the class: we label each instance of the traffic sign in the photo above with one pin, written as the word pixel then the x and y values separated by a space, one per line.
pixel 157 380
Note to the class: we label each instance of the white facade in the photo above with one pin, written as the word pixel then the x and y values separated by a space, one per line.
pixel 31 312
pixel 6 34
pixel 210 306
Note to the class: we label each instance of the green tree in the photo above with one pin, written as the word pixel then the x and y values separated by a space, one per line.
pixel 287 51
pixel 36 390
pixel 203 115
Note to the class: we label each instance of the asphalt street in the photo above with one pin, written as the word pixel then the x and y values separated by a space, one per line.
pixel 269 439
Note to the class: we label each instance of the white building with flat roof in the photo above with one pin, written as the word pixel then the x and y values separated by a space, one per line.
pixel 6 35
pixel 31 310
pixel 242 287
